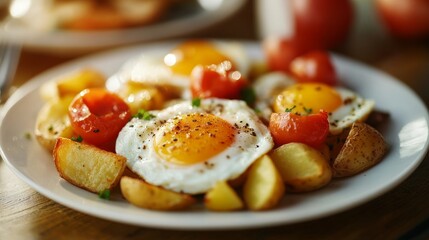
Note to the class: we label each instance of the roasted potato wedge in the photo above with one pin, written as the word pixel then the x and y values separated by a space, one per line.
pixel 138 96
pixel 222 197
pixel 264 186
pixel 86 166
pixel 72 83
pixel 363 148
pixel 53 122
pixel 302 167
pixel 148 196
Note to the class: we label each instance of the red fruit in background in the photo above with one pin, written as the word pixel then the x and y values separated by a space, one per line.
pixel 323 23
pixel 405 18
pixel 280 52
pixel 318 25
pixel 315 66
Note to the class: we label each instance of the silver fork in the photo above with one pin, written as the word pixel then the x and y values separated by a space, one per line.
pixel 9 58
pixel 9 54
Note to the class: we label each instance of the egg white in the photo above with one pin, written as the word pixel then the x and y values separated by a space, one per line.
pixel 150 69
pixel 136 143
pixel 354 108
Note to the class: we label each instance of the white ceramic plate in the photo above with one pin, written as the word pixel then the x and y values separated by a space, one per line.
pixel 188 18
pixel 407 134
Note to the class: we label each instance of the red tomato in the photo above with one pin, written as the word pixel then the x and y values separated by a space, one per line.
pixel 405 19
pixel 220 81
pixel 325 24
pixel 280 52
pixel 97 116
pixel 288 127
pixel 314 66
pixel 317 25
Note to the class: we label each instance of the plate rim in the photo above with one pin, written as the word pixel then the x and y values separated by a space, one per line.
pixel 34 83
pixel 71 41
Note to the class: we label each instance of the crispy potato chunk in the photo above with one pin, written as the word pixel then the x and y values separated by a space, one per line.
pixel 145 195
pixel 72 83
pixel 302 167
pixel 363 148
pixel 264 187
pixel 222 197
pixel 53 122
pixel 86 166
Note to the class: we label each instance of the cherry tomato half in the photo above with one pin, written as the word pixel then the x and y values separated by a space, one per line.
pixel 314 66
pixel 97 116
pixel 289 127
pixel 220 81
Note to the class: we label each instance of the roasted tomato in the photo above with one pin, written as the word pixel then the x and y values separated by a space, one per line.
pixel 219 81
pixel 315 66
pixel 97 116
pixel 289 127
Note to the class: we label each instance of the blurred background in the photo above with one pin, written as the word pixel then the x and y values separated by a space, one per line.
pixel 391 35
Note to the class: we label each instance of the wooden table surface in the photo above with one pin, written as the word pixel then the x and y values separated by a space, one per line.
pixel 26 214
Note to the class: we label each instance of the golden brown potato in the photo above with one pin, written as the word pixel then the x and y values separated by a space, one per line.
pixel 53 122
pixel 72 83
pixel 222 197
pixel 145 195
pixel 264 187
pixel 86 166
pixel 363 148
pixel 302 167
pixel 139 97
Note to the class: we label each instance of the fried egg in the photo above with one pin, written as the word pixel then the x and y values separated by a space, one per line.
pixel 266 87
pixel 172 69
pixel 344 106
pixel 187 148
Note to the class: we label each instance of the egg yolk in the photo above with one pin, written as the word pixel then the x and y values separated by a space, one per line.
pixel 186 56
pixel 194 138
pixel 307 98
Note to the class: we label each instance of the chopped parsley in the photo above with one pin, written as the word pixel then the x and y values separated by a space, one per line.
pixel 248 95
pixel 77 139
pixel 27 135
pixel 290 109
pixel 105 194
pixel 196 102
pixel 308 110
pixel 143 114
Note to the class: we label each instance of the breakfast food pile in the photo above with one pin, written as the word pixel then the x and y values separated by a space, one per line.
pixel 205 121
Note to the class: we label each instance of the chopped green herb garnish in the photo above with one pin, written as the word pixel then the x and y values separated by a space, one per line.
pixel 308 110
pixel 105 194
pixel 51 128
pixel 248 95
pixel 28 135
pixel 77 139
pixel 143 114
pixel 290 109
pixel 196 102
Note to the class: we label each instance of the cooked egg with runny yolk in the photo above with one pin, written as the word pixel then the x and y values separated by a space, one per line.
pixel 303 98
pixel 172 68
pixel 193 138
pixel 189 149
pixel 344 106
pixel 187 55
